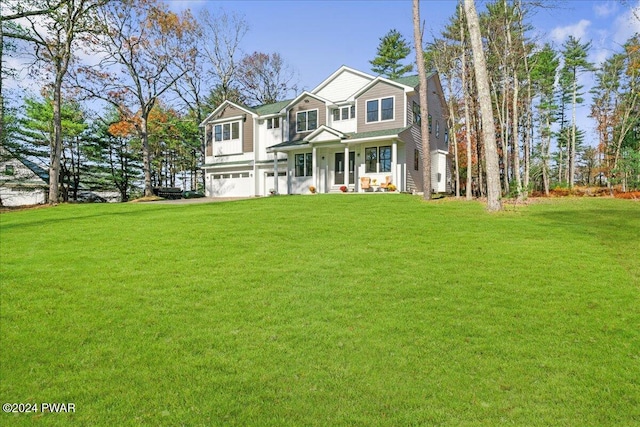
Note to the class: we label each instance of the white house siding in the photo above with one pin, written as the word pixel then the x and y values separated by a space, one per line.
pixel 345 126
pixel 343 86
pixel 268 138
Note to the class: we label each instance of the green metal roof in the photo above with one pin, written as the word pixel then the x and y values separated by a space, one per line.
pixel 274 108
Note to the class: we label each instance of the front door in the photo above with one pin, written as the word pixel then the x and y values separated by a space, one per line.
pixel 339 169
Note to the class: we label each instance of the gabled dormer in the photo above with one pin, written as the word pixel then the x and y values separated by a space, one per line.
pixel 381 104
pixel 229 132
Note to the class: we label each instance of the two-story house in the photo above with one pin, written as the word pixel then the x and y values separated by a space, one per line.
pixel 352 125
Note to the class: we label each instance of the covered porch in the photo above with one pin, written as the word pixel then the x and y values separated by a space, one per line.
pixel 330 161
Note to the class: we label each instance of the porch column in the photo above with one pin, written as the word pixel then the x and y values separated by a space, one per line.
pixel 394 165
pixel 346 166
pixel 316 170
pixel 275 172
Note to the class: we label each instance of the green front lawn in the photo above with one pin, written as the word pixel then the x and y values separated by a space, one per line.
pixel 323 310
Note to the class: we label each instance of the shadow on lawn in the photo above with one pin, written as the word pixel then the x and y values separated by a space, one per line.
pixel 57 217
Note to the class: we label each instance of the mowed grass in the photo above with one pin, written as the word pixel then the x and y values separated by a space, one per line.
pixel 323 310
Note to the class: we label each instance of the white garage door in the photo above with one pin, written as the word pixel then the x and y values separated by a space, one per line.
pixel 231 185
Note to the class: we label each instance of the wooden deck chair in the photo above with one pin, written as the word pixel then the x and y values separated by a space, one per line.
pixel 387 181
pixel 365 183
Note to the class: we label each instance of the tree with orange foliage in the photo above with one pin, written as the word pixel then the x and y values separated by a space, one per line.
pixel 142 44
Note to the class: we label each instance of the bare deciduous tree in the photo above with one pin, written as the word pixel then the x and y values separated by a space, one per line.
pixel 266 78
pixel 141 46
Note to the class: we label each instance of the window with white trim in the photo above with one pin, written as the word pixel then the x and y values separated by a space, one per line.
pixel 437 129
pixel 306 120
pixel 227 131
pixel 304 164
pixel 380 110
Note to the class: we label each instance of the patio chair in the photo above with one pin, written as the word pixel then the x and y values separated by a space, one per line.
pixel 387 182
pixel 365 183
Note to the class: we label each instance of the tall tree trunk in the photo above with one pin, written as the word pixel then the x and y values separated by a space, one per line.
pixel 146 156
pixel 488 127
pixel 467 118
pixel 424 106
pixel 545 154
pixel 452 135
pixel 572 146
pixel 528 132
pixel 56 143
pixel 504 128
pixel 479 145
pixel 514 136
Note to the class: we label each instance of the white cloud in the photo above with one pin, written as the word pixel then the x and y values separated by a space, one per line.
pixel 605 9
pixel 627 24
pixel 579 30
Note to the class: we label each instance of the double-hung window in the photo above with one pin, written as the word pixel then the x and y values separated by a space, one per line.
pixel 306 121
pixel 304 164
pixel 379 110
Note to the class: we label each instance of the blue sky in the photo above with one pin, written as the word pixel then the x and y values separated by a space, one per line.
pixel 316 37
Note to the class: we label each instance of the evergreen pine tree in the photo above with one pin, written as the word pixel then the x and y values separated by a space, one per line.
pixel 392 50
